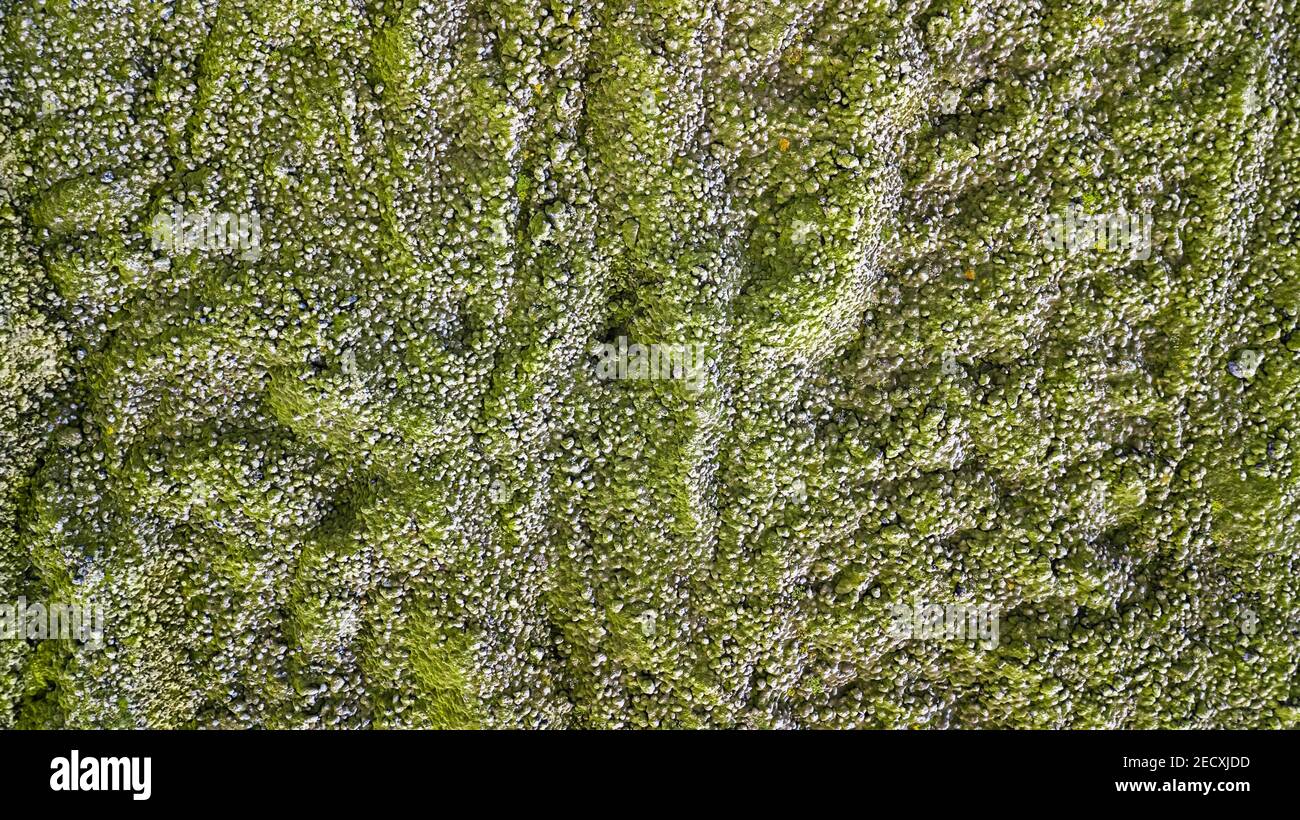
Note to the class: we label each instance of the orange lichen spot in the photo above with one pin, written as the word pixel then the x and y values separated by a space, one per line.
pixel 970 274
pixel 783 144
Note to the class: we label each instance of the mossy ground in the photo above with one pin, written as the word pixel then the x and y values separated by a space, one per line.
pixel 370 478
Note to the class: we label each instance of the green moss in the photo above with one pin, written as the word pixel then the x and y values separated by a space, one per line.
pixel 372 477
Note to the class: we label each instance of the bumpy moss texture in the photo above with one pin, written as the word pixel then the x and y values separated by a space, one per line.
pixel 371 480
